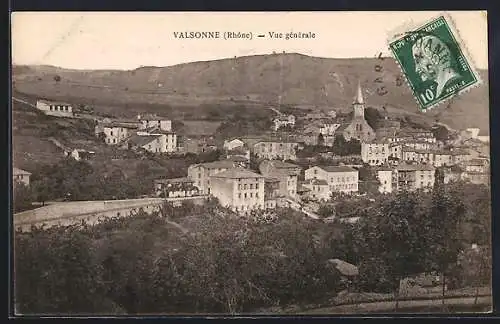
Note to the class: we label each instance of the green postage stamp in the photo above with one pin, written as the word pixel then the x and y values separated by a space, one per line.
pixel 434 61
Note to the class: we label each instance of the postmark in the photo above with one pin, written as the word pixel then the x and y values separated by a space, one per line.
pixel 434 62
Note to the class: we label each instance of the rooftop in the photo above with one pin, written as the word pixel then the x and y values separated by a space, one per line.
pixel 335 168
pixel 152 117
pixel 281 165
pixel 345 268
pixel 174 180
pixel 17 171
pixel 237 173
pixel 50 102
pixel 222 164
pixel 141 140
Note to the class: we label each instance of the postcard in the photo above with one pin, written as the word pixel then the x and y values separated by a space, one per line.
pixel 250 163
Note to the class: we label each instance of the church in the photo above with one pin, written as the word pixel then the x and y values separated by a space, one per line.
pixel 358 128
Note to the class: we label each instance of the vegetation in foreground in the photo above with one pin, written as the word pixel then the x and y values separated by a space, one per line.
pixel 217 262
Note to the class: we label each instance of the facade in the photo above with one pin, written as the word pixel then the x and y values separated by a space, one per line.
pixel 80 154
pixel 149 121
pixel 58 109
pixel 358 128
pixel 176 187
pixel 271 192
pixel 317 189
pixel 199 145
pixel 154 143
pixel 116 132
pixel 20 176
pixel 239 189
pixel 385 178
pixel 276 150
pixel 286 173
pixel 339 178
pixel 282 121
pixel 200 173
pixel 376 152
pixel 233 144
pixel 414 176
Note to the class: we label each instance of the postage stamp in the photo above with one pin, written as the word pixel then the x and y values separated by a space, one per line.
pixel 435 62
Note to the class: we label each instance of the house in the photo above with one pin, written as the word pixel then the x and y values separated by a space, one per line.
pixel 358 127
pixel 271 192
pixel 385 177
pixel 80 154
pixel 316 189
pixel 116 131
pixel 282 121
pixel 150 143
pixel 199 144
pixel 412 134
pixel 452 174
pixel 175 187
pixel 168 138
pixel 152 120
pixel 339 178
pixel 20 176
pixel 414 176
pixel 375 152
pixel 443 158
pixel 53 108
pixel 200 173
pixel 286 173
pixel 233 144
pixel 276 149
pixel 238 189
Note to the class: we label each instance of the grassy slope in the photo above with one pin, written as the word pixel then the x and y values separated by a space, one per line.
pixel 301 80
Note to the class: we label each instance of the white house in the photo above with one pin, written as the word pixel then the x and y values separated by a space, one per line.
pixel 233 143
pixel 20 176
pixel 151 121
pixel 283 121
pixel 52 108
pixel 339 178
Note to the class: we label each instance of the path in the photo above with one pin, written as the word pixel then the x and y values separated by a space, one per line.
pixel 388 306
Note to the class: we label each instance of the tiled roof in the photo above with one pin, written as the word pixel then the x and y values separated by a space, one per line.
pixel 344 268
pixel 141 140
pixel 17 171
pixel 120 124
pixel 335 168
pixel 218 164
pixel 174 180
pixel 50 102
pixel 237 173
pixel 153 117
pixel 282 165
pixel 237 158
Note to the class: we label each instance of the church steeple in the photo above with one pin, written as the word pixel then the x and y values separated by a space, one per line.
pixel 359 95
pixel 359 103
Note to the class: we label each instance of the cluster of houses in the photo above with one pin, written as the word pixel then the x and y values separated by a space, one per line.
pixel 400 158
pixel 148 132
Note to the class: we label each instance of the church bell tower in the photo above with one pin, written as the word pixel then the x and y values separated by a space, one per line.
pixel 359 104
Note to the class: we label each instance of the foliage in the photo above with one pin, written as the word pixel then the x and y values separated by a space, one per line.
pixel 440 132
pixel 22 197
pixel 373 116
pixel 368 180
pixel 343 147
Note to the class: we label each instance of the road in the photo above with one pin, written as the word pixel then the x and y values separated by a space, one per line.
pixel 389 306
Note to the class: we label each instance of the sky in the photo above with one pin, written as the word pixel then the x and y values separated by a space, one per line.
pixel 127 40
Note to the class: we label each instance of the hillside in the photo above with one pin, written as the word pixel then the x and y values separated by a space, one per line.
pixel 253 81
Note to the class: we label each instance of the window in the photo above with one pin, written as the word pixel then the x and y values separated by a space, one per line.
pixel 239 195
pixel 245 195
pixel 256 195
pixel 256 186
pixel 251 186
pixel 245 187
pixel 251 195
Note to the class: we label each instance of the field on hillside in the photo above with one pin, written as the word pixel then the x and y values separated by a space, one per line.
pixel 253 81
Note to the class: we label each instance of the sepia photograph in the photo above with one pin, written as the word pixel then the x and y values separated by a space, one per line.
pixel 250 163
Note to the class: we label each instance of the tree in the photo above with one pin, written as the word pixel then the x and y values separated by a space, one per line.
pixel 372 117
pixel 368 180
pixel 22 197
pixel 443 225
pixel 57 78
pixel 321 140
pixel 440 132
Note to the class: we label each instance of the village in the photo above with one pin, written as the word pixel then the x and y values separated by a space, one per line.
pixel 399 158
